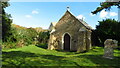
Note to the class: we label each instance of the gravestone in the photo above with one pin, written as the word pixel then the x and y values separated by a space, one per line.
pixel 109 46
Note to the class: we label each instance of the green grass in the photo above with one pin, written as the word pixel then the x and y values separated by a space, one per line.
pixel 36 56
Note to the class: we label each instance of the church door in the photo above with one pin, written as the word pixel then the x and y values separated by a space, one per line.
pixel 67 42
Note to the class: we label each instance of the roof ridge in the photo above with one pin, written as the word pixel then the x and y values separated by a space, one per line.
pixel 82 21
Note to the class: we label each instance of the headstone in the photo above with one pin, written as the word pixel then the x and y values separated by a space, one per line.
pixel 109 46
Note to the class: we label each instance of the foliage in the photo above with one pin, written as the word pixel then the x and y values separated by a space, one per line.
pixel 39 29
pixel 106 6
pixel 43 37
pixel 4 4
pixel 108 29
pixel 33 56
pixel 6 22
pixel 13 35
pixel 22 36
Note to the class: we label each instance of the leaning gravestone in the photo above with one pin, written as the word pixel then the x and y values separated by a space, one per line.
pixel 109 45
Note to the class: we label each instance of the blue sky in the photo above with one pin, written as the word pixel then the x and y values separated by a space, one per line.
pixel 57 0
pixel 41 14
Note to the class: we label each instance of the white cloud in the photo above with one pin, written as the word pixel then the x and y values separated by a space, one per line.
pixel 103 14
pixel 81 17
pixel 28 16
pixel 92 14
pixel 35 12
pixel 113 14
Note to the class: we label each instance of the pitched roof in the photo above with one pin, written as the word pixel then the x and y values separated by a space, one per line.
pixel 84 23
pixel 80 20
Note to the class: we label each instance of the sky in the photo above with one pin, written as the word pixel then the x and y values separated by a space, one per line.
pixel 41 14
pixel 58 0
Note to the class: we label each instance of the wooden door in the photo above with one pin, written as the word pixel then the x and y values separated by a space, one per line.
pixel 67 42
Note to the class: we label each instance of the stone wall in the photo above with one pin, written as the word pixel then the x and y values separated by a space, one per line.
pixel 79 40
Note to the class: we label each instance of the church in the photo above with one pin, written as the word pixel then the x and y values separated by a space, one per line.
pixel 70 34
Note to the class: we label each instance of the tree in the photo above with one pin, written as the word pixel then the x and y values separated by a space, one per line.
pixel 108 29
pixel 106 6
pixel 43 37
pixel 6 22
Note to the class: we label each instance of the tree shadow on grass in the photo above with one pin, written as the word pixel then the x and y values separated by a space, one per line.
pixel 45 46
pixel 18 54
pixel 17 59
pixel 52 57
pixel 59 61
pixel 100 61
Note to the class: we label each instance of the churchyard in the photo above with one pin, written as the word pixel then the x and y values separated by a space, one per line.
pixel 35 56
pixel 71 42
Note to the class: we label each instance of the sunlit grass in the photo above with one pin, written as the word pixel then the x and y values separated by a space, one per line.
pixel 36 56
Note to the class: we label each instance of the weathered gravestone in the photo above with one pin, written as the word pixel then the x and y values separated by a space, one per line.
pixel 109 46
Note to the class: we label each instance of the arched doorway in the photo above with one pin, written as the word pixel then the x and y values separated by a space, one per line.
pixel 67 42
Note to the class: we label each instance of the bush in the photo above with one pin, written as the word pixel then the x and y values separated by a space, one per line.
pixel 8 45
pixel 20 37
pixel 43 37
pixel 107 29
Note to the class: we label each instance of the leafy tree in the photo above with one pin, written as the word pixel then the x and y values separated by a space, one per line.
pixel 6 22
pixel 106 6
pixel 108 29
pixel 15 35
pixel 43 37
pixel 28 35
pixel 31 35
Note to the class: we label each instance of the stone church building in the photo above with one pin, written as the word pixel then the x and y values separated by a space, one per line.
pixel 70 34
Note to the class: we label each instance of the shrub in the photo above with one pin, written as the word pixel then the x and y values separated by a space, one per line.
pixel 107 29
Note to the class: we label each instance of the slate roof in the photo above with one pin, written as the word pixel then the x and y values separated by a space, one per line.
pixel 84 23
pixel 80 20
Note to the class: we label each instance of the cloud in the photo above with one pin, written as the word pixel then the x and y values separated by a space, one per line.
pixel 113 14
pixel 81 17
pixel 28 16
pixel 35 12
pixel 92 14
pixel 103 14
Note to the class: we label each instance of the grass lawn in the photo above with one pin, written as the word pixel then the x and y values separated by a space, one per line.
pixel 35 56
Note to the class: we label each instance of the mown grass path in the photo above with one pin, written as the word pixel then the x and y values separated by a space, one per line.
pixel 35 56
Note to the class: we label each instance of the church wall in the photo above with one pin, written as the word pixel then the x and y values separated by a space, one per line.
pixel 68 24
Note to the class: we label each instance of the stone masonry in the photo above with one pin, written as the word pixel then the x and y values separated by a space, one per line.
pixel 71 34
